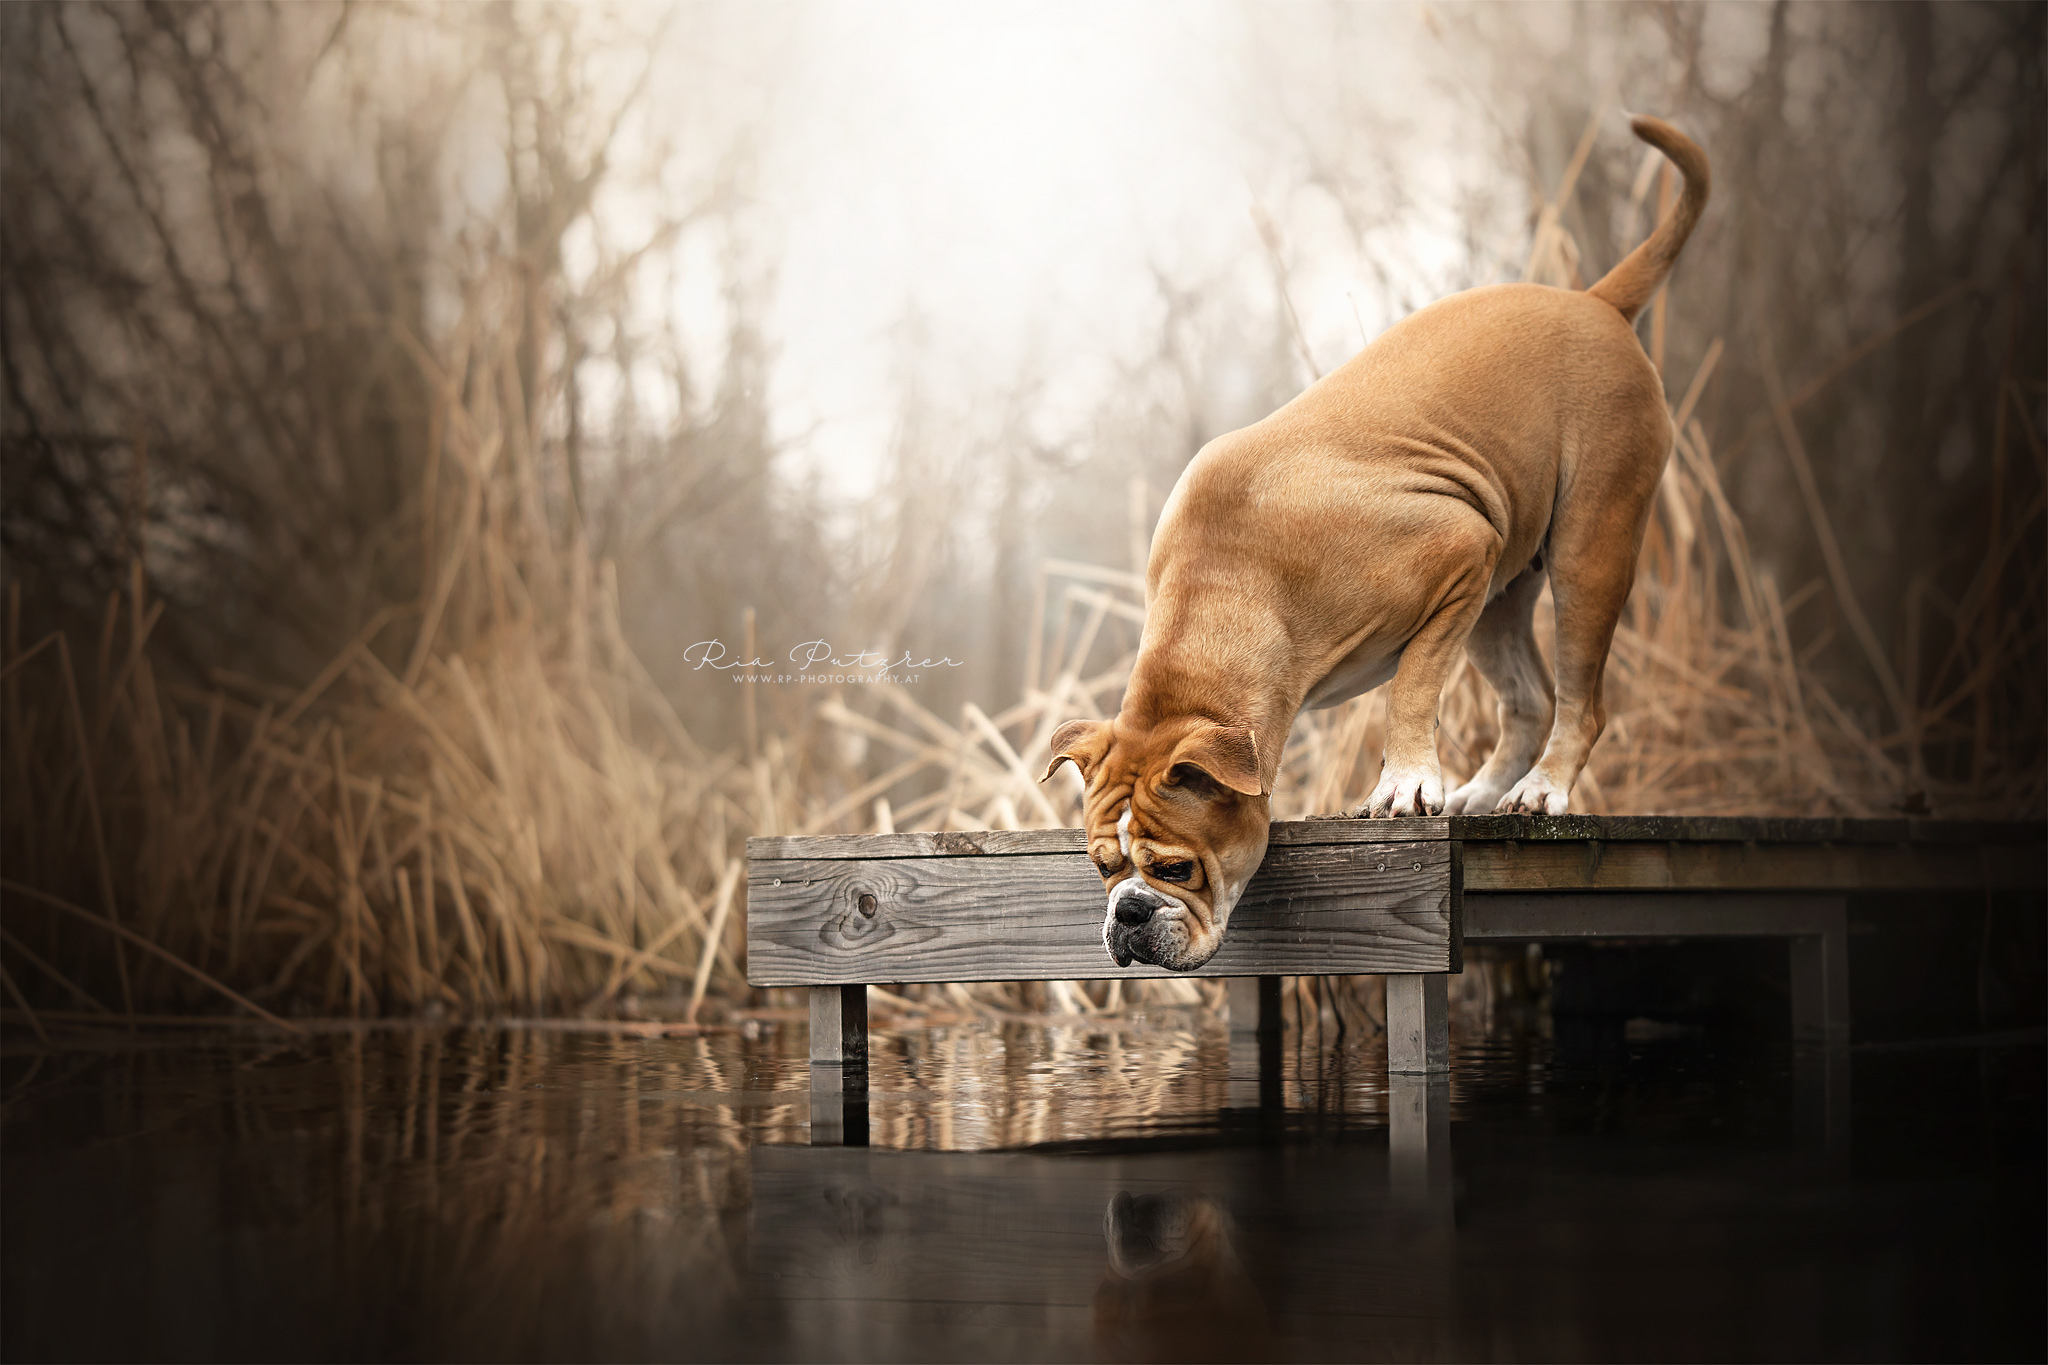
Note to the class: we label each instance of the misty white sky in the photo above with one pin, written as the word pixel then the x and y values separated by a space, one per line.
pixel 956 195
pixel 961 196
pixel 995 179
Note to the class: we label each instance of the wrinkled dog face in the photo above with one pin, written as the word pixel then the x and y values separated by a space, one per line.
pixel 1177 823
pixel 1152 1233
pixel 1176 1288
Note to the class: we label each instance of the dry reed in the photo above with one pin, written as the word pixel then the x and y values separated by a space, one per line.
pixel 482 805
pixel 486 805
pixel 1712 708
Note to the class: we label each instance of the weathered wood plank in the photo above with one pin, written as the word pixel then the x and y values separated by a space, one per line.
pixel 1311 910
pixel 1618 866
pixel 1333 897
pixel 1741 829
pixel 924 844
pixel 1012 842
pixel 1470 828
pixel 1681 828
pixel 1523 916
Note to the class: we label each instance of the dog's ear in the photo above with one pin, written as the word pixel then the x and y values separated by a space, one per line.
pixel 1081 743
pixel 1227 755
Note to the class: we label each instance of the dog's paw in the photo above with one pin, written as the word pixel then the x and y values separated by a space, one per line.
pixel 1399 793
pixel 1536 794
pixel 1477 797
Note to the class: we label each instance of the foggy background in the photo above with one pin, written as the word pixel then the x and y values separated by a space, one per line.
pixel 364 361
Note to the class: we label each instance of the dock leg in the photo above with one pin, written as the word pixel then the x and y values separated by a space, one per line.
pixel 1820 1030
pixel 1418 1023
pixel 1820 980
pixel 1255 1028
pixel 839 1066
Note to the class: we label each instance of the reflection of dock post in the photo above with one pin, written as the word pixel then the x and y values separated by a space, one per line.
pixel 1820 1030
pixel 1254 1006
pixel 1419 1137
pixel 839 1066
pixel 1820 1101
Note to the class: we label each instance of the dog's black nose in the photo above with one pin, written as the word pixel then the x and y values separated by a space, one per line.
pixel 1133 912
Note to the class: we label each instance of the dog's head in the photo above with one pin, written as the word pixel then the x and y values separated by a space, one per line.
pixel 1177 818
pixel 1176 1288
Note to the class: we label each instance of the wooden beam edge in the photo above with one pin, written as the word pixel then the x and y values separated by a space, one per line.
pixel 1474 829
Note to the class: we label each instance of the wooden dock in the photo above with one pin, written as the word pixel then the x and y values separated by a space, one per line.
pixel 836 913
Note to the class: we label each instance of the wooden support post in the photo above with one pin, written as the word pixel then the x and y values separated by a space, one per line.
pixel 1254 1003
pixel 1418 1022
pixel 1255 1028
pixel 839 1066
pixel 839 1032
pixel 1820 977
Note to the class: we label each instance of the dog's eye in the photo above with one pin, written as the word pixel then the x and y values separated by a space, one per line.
pixel 1101 867
pixel 1171 872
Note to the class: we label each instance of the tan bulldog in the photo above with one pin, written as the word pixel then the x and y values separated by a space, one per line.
pixel 1404 507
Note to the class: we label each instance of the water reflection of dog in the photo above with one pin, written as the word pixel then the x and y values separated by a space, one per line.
pixel 1175 1289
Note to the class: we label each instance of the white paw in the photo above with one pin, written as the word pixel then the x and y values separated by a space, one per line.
pixel 1415 792
pixel 1536 794
pixel 1477 797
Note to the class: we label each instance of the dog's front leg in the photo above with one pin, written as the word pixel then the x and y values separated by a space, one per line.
pixel 1502 647
pixel 1411 781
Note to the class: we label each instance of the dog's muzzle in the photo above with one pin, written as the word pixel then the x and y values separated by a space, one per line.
pixel 1133 929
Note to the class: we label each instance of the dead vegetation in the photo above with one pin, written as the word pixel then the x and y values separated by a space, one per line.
pixel 511 820
pixel 483 802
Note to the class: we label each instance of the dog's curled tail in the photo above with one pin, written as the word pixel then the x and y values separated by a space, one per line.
pixel 1631 284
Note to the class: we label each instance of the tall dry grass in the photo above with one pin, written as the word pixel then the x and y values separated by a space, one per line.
pixel 486 805
pixel 494 811
pixel 1715 705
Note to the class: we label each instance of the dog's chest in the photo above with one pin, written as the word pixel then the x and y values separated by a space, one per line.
pixel 1360 671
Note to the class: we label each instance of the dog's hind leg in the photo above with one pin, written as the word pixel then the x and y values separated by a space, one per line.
pixel 1594 541
pixel 1503 648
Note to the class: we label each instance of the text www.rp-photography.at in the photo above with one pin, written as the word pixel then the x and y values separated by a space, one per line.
pixel 1176 680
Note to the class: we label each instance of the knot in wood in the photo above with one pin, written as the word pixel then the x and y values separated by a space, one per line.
pixel 866 904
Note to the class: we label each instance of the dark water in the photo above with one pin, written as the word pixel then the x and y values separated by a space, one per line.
pixel 1033 1193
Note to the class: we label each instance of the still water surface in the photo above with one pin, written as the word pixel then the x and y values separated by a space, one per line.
pixel 1033 1192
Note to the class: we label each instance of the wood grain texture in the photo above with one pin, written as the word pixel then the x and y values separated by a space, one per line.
pixel 1312 910
pixel 1525 917
pixel 1615 866
pixel 1470 828
pixel 1011 842
pixel 952 844
pixel 1741 829
pixel 1335 896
